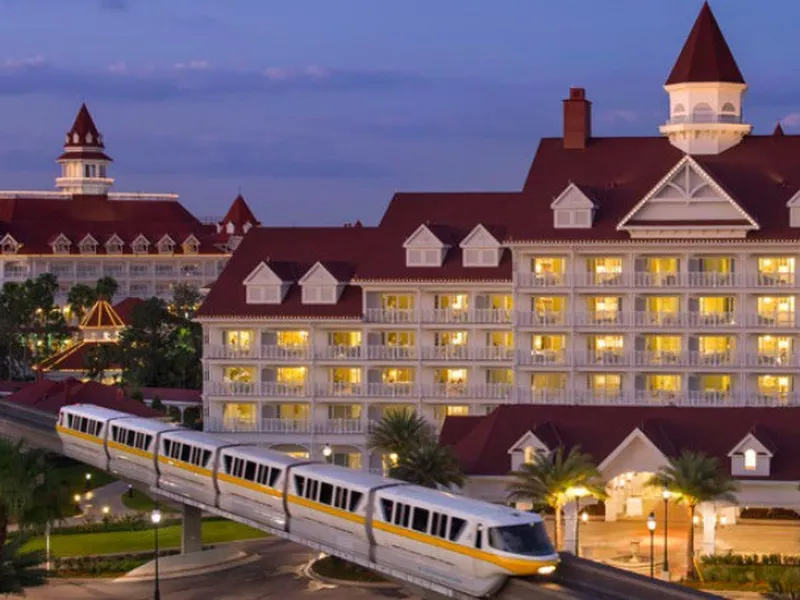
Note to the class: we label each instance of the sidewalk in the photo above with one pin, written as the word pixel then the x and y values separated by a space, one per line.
pixel 109 495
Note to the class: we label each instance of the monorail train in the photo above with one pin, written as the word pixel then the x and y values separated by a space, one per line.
pixel 464 544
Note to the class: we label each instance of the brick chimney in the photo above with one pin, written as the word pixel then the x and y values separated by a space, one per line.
pixel 577 120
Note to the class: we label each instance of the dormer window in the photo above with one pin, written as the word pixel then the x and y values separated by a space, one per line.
pixel 88 245
pixel 230 228
pixel 89 137
pixel 424 249
pixel 140 245
pixel 61 245
pixel 480 248
pixel 573 209
pixel 76 139
pixel 264 286
pixel 191 245
pixel 752 456
pixel 247 226
pixel 115 245
pixel 320 286
pixel 166 245
pixel 750 459
pixel 8 245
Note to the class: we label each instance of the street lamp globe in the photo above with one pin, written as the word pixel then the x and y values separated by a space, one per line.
pixel 394 457
pixel 651 522
pixel 155 516
pixel 327 451
pixel 666 494
pixel 88 477
pixel 106 510
pixel 578 492
pixel 76 498
pixel 585 517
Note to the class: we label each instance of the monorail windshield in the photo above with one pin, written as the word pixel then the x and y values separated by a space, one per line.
pixel 530 539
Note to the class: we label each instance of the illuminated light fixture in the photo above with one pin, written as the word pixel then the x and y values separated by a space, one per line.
pixel 546 570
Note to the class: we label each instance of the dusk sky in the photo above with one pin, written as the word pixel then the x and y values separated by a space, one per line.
pixel 319 110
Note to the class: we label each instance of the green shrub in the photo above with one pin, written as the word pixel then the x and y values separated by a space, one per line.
pixel 102 566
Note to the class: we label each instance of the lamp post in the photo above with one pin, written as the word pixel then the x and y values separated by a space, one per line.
pixel 666 495
pixel 577 493
pixel 77 499
pixel 327 451
pixel 651 526
pixel 88 480
pixel 130 490
pixel 155 517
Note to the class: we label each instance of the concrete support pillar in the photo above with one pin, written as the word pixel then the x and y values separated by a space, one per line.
pixel 612 505
pixel 570 528
pixel 191 533
pixel 709 542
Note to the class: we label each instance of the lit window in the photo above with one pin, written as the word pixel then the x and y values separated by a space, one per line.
pixel 750 458
pixel 292 339
pixel 529 454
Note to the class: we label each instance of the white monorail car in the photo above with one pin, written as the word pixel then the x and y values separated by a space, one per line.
pixel 464 544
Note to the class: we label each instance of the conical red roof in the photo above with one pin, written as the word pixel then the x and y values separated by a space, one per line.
pixel 778 130
pixel 239 214
pixel 101 316
pixel 84 127
pixel 706 56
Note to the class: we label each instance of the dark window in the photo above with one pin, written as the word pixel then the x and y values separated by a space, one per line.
pixel 130 438
pixel 250 471
pixel 420 520
pixel 299 484
pixel 406 515
pixel 228 462
pixel 386 506
pixel 273 476
pixel 314 489
pixel 69 421
pixel 434 523
pixel 326 493
pixel 148 439
pixel 114 431
pixel 456 527
pixel 337 497
pixel 479 538
pixel 167 445
pixel 261 475
pixel 442 532
pixel 529 539
pixel 206 456
pixel 355 499
pixel 398 513
pixel 186 453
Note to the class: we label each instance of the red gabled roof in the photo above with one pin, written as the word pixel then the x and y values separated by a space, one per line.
pixel 482 443
pixel 239 214
pixel 125 309
pixel 84 126
pixel 705 56
pixel 102 315
pixel 74 358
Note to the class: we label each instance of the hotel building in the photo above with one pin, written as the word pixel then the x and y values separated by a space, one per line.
pixel 643 271
pixel 83 231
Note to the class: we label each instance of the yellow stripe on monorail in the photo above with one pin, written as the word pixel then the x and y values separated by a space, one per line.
pixel 130 450
pixel 184 465
pixel 256 487
pixel 80 435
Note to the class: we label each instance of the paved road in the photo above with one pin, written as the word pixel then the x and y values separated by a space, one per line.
pixel 276 575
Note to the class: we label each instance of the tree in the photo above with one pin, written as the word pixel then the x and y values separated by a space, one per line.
pixel 20 570
pixel 157 404
pixel 105 288
pixel 81 298
pixel 430 465
pixel 185 300
pixel 694 478
pixel 398 432
pixel 551 478
pixel 99 359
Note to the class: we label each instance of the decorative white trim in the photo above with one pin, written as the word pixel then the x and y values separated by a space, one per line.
pixel 571 187
pixel 633 435
pixel 478 230
pixel 314 270
pixel 410 241
pixel 750 440
pixel 263 267
pixel 533 440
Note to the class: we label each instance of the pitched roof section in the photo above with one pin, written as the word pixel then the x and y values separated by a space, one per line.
pixel 482 443
pixel 74 359
pixel 102 316
pixel 87 134
pixel 705 56
pixel 125 309
pixel 239 214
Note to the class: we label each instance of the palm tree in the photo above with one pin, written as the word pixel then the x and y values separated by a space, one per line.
pixel 398 432
pixel 430 465
pixel 694 478
pixel 80 298
pixel 20 570
pixel 105 288
pixel 552 478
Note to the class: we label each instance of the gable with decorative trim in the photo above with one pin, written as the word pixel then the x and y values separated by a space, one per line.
pixel 636 453
pixel 8 245
pixel 320 286
pixel 525 450
pixel 61 245
pixel 166 245
pixel 573 209
pixel 114 245
pixel 140 245
pixel 264 286
pixel 424 249
pixel 480 248
pixel 794 209
pixel 88 245
pixel 687 203
pixel 750 458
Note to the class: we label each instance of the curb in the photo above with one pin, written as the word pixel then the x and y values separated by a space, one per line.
pixel 375 585
pixel 191 572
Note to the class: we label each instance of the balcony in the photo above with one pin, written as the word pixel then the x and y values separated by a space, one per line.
pixel 542 319
pixel 391 353
pixel 135 273
pixel 275 425
pixel 658 319
pixel 644 279
pixel 391 390
pixel 542 357
pixel 715 319
pixel 658 358
pixel 165 273
pixel 602 318
pixel 338 353
pixel 113 272
pixel 704 118
pixel 383 315
pixel 530 396
pixel 342 426
pixel 713 359
pixel 481 315
pixel 713 279
pixel 230 352
pixel 602 358
pixel 778 360
pixel 15 274
pixel 543 280
pixel 774 280
pixel 275 352
pixel 604 280
pixel 770 320
pixel 340 389
pixel 90 274
pixel 236 388
pixel 494 391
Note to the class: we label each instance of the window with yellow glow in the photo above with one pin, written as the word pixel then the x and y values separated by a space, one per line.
pixel 605 383
pixel 450 338
pixel 775 384
pixel 772 345
pixel 239 374
pixel 499 339
pixel 715 305
pixel 772 306
pixel 241 411
pixel 500 376
pixel 291 375
pixel 344 411
pixel 292 339
pixel 549 382
pixel 441 412
pixel 451 301
pixel 529 454
pixel 555 343
pixel 349 339
pixel 716 344
pixel 390 408
pixel 664 383
pixel 343 375
pixel 750 459
pixel 548 265
pixel 605 266
pixel 663 304
pixel 450 376
pixel 393 375
pixel 603 307
pixel 716 264
pixel 239 339
pixel 662 265
pixel 294 411
pixel 663 343
pixel 402 339
pixel 549 304
pixel 501 302
pixel 606 343
pixel 776 269
pixel 397 301
pixel 714 383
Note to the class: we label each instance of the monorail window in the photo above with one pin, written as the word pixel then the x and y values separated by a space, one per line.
pixel 167 447
pixel 250 471
pixel 439 525
pixel 299 484
pixel 402 514
pixel 456 527
pixel 273 476
pixel 355 498
pixel 521 539
pixel 420 520
pixel 326 493
pixel 186 453
pixel 386 507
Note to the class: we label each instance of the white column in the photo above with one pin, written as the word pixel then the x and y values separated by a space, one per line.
pixel 612 505
pixel 570 527
pixel 709 540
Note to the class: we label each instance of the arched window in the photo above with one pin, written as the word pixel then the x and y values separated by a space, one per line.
pixel 750 457
pixel 728 107
pixel 702 113
pixel 678 109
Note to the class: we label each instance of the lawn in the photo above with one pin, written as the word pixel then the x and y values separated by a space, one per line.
pixel 116 542
pixel 74 477
pixel 142 502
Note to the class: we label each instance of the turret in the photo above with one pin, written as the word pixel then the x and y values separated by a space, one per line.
pixel 84 162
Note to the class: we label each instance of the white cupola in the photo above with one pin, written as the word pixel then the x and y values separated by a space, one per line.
pixel 705 90
pixel 84 162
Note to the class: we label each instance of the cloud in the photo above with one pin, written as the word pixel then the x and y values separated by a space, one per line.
pixel 617 115
pixel 115 5
pixel 195 79
pixel 791 120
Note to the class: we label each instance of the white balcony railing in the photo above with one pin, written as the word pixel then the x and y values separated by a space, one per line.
pixel 643 279
pixel 275 352
pixel 604 280
pixel 342 426
pixel 391 390
pixel 542 357
pixel 602 318
pixel 238 388
pixel 391 353
pixel 602 358
pixel 340 388
pixel 775 319
pixel 338 353
pixel 275 425
pixel 222 351
pixel 658 358
pixel 542 319
pixel 646 279
pixel 383 315
pixel 778 360
pixel 543 280
pixel 659 319
pixel 713 359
